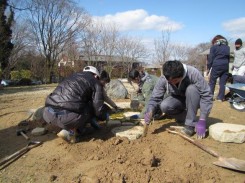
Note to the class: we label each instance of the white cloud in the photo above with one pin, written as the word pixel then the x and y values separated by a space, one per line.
pixel 236 27
pixel 140 20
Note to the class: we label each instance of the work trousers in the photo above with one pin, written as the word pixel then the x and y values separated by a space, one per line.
pixel 183 108
pixel 66 119
pixel 220 72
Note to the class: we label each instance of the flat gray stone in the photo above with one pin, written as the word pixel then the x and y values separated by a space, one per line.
pixel 38 131
pixel 114 123
pixel 226 132
pixel 131 132
pixel 128 114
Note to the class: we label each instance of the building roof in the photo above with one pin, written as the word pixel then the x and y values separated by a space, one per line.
pixel 105 58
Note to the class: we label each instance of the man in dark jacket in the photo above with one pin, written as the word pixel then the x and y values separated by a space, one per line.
pixel 179 93
pixel 74 102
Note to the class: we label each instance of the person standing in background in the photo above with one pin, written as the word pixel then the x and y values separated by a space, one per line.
pixel 238 68
pixel 218 65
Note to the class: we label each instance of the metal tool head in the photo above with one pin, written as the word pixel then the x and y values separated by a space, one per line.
pixel 18 131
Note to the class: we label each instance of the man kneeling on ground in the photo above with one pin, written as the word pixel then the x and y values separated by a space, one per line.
pixel 179 93
pixel 74 102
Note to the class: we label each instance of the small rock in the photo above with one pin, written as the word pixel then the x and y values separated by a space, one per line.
pixel 38 131
pixel 117 141
pixel 53 178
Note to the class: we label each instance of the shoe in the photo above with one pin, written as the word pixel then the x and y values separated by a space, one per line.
pixel 188 130
pixel 219 100
pixel 180 123
pixel 69 136
pixel 94 123
pixel 64 134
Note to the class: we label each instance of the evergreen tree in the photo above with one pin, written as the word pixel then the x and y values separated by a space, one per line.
pixel 6 45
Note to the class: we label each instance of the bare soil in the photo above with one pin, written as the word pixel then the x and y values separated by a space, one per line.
pixel 102 158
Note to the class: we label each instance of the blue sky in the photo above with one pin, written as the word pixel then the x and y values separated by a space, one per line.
pixel 191 21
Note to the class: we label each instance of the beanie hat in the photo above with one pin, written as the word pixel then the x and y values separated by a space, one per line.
pixel 238 42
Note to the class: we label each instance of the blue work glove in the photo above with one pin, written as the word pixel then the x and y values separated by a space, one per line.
pixel 147 117
pixel 136 116
pixel 94 123
pixel 107 116
pixel 200 128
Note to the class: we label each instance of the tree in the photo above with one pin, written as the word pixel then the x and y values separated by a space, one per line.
pixel 195 58
pixel 131 50
pixel 162 47
pixel 6 45
pixel 21 45
pixel 179 52
pixel 53 23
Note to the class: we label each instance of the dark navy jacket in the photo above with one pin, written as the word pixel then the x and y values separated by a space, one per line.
pixel 219 56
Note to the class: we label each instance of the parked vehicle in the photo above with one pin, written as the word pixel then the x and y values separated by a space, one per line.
pixel 36 82
pixel 6 82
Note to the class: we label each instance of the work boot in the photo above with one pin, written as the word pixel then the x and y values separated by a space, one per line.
pixel 188 130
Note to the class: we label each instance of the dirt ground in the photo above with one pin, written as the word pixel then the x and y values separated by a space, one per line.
pixel 103 158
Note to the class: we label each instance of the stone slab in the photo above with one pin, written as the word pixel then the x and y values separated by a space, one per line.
pixel 226 132
pixel 131 132
pixel 113 122
pixel 38 131
pixel 128 114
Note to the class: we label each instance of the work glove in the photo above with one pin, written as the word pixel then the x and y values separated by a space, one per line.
pixel 135 116
pixel 200 128
pixel 107 116
pixel 117 109
pixel 94 123
pixel 147 117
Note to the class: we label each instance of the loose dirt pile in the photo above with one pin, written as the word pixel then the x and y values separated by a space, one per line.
pixel 101 157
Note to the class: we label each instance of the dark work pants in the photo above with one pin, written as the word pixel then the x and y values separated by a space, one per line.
pixel 220 72
pixel 66 119
pixel 183 109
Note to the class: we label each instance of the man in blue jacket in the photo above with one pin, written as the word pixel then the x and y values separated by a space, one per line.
pixel 179 93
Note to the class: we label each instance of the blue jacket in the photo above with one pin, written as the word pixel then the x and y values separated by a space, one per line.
pixel 219 55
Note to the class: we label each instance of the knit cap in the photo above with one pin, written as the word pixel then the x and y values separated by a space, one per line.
pixel 238 42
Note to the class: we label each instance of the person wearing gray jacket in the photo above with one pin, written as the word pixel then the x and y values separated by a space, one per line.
pixel 179 93
pixel 238 69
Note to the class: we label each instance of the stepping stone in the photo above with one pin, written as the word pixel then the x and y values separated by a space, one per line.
pixel 225 132
pixel 38 131
pixel 128 114
pixel 131 132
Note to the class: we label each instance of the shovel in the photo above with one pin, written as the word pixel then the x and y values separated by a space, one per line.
pixel 230 163
pixel 19 153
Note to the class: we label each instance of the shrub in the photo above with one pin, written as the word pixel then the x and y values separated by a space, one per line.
pixel 15 75
pixel 24 81
pixel 25 74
